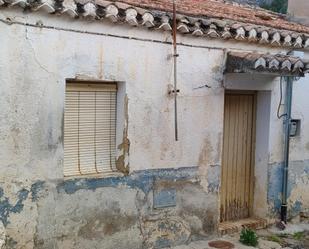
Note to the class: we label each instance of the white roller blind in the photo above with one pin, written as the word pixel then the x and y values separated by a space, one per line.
pixel 89 129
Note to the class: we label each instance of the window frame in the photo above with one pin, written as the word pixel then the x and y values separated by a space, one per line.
pixel 85 85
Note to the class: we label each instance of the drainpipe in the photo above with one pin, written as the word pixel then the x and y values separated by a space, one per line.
pixel 287 127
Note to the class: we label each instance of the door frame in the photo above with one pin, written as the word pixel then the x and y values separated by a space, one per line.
pixel 253 145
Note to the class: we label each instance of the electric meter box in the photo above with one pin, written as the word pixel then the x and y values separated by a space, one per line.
pixel 295 127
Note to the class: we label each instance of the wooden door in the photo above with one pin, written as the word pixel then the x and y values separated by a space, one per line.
pixel 237 175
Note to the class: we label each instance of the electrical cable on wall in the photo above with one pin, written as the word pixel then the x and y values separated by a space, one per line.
pixel 280 101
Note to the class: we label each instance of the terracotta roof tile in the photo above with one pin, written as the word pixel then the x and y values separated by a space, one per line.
pixel 278 64
pixel 197 19
pixel 223 10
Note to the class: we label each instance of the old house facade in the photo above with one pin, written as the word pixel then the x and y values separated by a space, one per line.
pixel 88 151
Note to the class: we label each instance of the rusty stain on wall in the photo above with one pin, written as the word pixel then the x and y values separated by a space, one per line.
pixel 101 64
pixel 205 153
pixel 125 145
pixel 106 222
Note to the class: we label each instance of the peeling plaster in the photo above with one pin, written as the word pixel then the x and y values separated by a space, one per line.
pixel 166 232
pixel 6 208
pixel 142 180
pixel 213 178
pixel 298 183
pixel 36 189
pixel 170 225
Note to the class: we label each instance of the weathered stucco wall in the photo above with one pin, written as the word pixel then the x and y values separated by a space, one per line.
pixel 298 8
pixel 299 153
pixel 41 209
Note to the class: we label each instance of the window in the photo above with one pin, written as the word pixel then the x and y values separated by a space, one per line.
pixel 89 128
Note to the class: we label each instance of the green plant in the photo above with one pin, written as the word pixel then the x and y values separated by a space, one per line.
pixel 275 238
pixel 298 235
pixel 248 237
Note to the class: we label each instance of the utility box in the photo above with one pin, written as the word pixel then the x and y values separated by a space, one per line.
pixel 164 198
pixel 295 127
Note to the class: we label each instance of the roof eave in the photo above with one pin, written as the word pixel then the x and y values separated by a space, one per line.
pixel 159 20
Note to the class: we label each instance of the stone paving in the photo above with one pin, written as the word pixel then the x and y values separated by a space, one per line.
pixel 294 237
pixel 263 244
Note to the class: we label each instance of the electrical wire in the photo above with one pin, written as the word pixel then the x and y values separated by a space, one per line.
pixel 280 102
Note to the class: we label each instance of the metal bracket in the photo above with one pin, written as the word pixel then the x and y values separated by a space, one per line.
pixel 172 91
pixel 170 56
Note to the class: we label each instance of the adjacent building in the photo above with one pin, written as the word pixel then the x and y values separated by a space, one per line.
pixel 298 11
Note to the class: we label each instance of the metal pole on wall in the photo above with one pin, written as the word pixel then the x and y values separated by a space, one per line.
pixel 175 55
pixel 287 122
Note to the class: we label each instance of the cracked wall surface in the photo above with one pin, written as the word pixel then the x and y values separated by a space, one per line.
pixel 169 191
pixel 298 196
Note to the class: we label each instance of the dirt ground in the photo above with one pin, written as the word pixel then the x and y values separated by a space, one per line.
pixel 296 240
pixel 296 236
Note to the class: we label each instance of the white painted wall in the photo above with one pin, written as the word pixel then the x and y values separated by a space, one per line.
pixel 261 152
pixel 40 60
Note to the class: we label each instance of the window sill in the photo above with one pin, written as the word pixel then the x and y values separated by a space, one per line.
pixel 99 175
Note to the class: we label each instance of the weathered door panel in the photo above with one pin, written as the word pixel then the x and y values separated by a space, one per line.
pixel 237 177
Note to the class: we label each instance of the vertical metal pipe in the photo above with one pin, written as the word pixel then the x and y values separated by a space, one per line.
pixel 175 55
pixel 287 127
